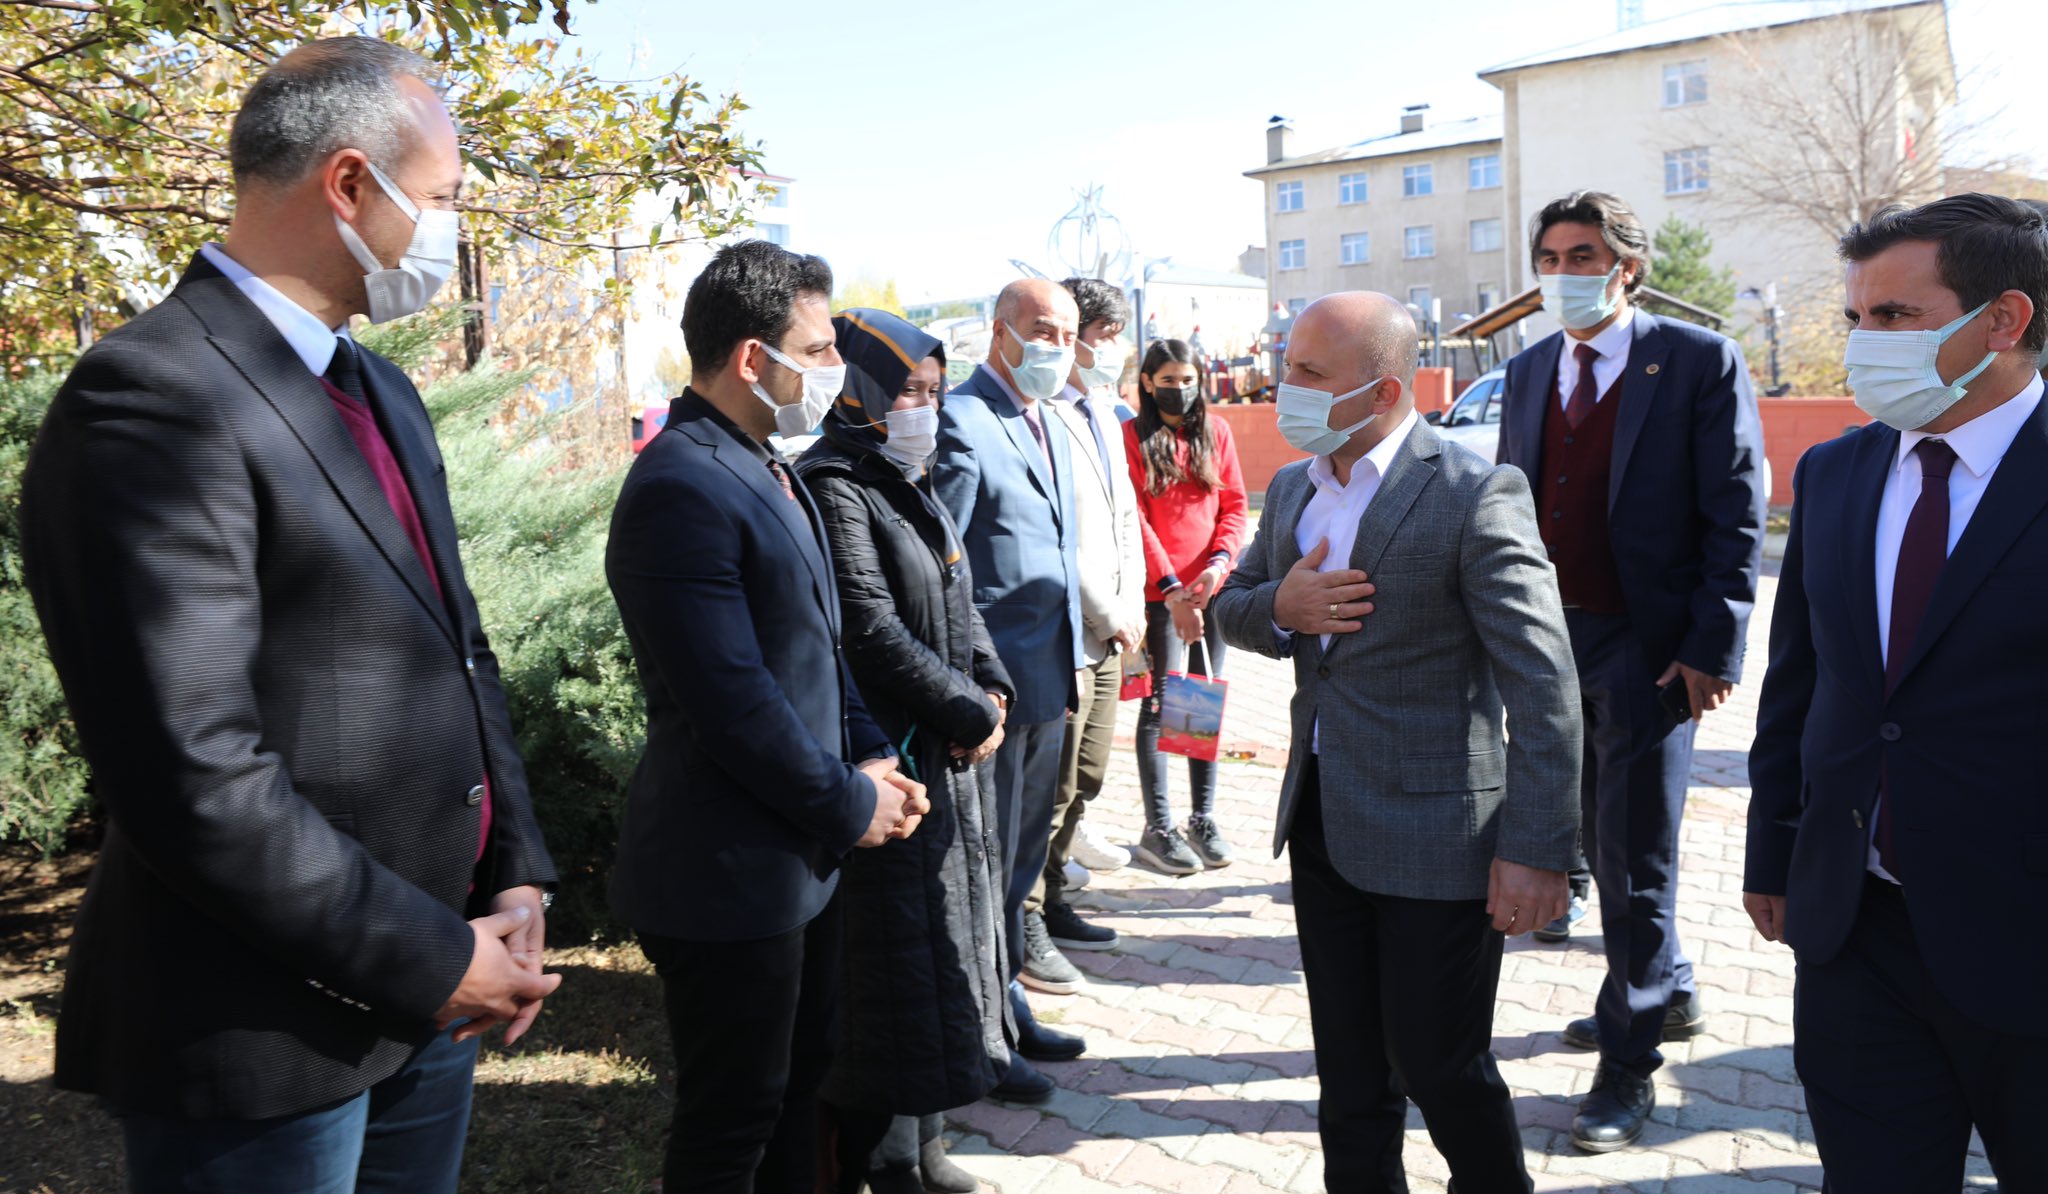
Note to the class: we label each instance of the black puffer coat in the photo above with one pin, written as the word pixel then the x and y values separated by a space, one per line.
pixel 923 1000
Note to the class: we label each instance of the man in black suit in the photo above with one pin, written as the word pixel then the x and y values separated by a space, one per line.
pixel 1642 443
pixel 1898 838
pixel 237 533
pixel 762 769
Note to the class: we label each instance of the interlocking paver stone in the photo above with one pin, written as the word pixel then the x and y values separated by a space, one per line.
pixel 1200 1075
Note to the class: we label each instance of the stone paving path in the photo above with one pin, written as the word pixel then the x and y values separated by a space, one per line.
pixel 1200 1075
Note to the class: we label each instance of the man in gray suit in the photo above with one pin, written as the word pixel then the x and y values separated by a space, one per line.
pixel 1405 578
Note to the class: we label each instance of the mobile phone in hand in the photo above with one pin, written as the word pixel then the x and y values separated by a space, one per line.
pixel 1677 701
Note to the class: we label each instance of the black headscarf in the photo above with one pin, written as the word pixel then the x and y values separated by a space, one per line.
pixel 880 350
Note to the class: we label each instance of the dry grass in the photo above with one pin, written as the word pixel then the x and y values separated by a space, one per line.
pixel 582 1104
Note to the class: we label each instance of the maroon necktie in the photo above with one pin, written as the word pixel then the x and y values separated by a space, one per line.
pixel 1586 393
pixel 1038 433
pixel 1922 551
pixel 782 478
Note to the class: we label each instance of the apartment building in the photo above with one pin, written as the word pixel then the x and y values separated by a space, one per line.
pixel 1697 116
pixel 1416 213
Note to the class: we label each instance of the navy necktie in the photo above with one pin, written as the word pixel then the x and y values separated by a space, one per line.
pixel 1922 552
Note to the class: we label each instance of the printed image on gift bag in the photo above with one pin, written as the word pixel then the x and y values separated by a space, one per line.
pixel 1137 675
pixel 1191 710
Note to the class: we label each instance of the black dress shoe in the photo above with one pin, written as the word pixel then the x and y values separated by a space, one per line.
pixel 1022 1083
pixel 1613 1113
pixel 1035 1040
pixel 1682 1022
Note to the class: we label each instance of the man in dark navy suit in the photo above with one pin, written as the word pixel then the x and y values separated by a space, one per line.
pixel 1642 444
pixel 762 769
pixel 1898 831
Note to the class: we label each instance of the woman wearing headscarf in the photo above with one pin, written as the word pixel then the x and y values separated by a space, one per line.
pixel 923 995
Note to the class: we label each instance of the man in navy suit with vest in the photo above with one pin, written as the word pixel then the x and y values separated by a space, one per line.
pixel 1643 448
pixel 1898 833
pixel 762 768
pixel 1005 471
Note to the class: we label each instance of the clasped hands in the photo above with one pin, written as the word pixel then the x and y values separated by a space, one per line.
pixel 900 803
pixel 504 983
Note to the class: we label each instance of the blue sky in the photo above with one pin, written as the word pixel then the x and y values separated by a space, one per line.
pixel 931 143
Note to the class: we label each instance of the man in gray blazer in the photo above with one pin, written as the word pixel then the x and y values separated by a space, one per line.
pixel 1405 578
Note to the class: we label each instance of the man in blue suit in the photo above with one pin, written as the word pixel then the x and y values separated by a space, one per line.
pixel 1642 444
pixel 1005 470
pixel 1898 836
pixel 762 769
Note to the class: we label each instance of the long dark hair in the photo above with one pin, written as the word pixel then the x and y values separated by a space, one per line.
pixel 1163 468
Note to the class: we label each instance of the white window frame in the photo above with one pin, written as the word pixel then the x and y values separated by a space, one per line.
pixel 1679 80
pixel 1688 171
pixel 1475 174
pixel 1293 190
pixel 1418 181
pixel 1347 241
pixel 1347 183
pixel 1299 247
pixel 1472 235
pixel 1423 303
pixel 1408 240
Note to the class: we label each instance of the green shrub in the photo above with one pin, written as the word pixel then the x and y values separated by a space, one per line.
pixel 532 522
pixel 42 778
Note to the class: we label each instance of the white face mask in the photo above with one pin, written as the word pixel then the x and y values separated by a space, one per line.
pixel 1043 372
pixel 1303 416
pixel 1579 302
pixel 1894 377
pixel 913 436
pixel 822 386
pixel 1108 366
pixel 403 289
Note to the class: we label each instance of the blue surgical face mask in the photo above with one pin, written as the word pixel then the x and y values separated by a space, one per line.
pixel 1579 302
pixel 1894 377
pixel 1108 366
pixel 1042 372
pixel 1303 416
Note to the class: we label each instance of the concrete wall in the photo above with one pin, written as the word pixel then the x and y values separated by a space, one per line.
pixel 1453 275
pixel 1791 426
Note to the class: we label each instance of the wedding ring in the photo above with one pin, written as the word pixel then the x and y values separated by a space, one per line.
pixel 1333 611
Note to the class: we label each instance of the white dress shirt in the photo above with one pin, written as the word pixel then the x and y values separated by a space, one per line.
pixel 311 339
pixel 1334 511
pixel 1979 445
pixel 1612 344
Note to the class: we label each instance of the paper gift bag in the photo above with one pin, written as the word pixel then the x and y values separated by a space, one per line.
pixel 1137 675
pixel 1191 709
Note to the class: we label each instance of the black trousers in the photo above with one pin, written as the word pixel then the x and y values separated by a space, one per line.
pixel 1400 996
pixel 1896 1077
pixel 752 1023
pixel 1632 798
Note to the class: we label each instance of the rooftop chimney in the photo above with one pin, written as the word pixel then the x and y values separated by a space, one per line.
pixel 1278 133
pixel 1413 117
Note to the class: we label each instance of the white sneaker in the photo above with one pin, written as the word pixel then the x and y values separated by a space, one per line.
pixel 1076 874
pixel 1096 852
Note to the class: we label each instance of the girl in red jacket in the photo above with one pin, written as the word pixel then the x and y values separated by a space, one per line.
pixel 1191 508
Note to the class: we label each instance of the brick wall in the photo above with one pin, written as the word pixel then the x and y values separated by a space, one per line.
pixel 1791 426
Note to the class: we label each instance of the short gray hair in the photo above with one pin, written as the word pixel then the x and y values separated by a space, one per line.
pixel 336 93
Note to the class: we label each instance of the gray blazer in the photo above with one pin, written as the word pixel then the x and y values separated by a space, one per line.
pixel 1421 788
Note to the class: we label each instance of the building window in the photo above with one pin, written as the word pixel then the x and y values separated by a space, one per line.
pixel 1489 297
pixel 1351 188
pixel 1483 171
pixel 1685 171
pixel 1293 254
pixel 780 198
pixel 1486 236
pixel 1419 297
pixel 775 234
pixel 1296 306
pixel 1287 196
pixel 1357 248
pixel 1685 83
pixel 1419 241
pixel 1417 181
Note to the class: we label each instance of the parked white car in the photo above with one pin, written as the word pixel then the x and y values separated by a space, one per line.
pixel 1474 419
